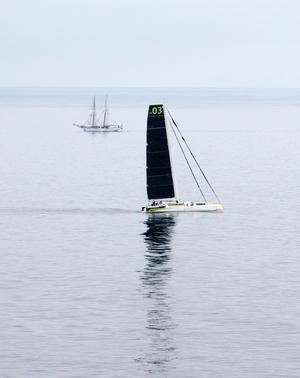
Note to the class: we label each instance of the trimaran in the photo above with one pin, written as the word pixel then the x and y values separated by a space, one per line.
pixel 160 184
pixel 99 124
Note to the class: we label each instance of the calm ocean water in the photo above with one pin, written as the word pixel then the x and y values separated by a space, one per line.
pixel 92 287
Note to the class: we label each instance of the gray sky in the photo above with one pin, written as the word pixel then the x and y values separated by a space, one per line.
pixel 211 43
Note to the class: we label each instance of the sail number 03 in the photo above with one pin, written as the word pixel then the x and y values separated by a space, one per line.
pixel 156 110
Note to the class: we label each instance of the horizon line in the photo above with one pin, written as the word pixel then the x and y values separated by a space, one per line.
pixel 139 87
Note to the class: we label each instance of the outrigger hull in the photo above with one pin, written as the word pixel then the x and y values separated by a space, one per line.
pixel 185 207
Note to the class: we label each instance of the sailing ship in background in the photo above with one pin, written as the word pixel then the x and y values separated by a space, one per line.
pixel 100 123
pixel 160 184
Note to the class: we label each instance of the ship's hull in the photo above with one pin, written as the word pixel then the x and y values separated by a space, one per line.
pixel 101 130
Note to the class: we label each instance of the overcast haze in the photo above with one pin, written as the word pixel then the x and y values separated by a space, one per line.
pixel 212 43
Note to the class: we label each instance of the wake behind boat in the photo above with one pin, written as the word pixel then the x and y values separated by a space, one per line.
pixel 99 124
pixel 160 184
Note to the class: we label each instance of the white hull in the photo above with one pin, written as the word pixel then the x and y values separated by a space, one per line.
pixel 184 207
pixel 101 129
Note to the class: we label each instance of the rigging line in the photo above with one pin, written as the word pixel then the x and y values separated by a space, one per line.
pixel 203 174
pixel 182 150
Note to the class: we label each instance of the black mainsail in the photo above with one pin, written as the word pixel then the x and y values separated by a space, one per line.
pixel 159 171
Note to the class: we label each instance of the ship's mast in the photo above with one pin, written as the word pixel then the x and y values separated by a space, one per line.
pixel 105 111
pixel 94 112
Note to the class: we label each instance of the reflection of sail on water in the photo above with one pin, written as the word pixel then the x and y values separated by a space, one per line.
pixel 156 275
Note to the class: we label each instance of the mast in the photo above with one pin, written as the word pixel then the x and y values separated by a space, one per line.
pixel 105 111
pixel 94 112
pixel 168 128
pixel 159 170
